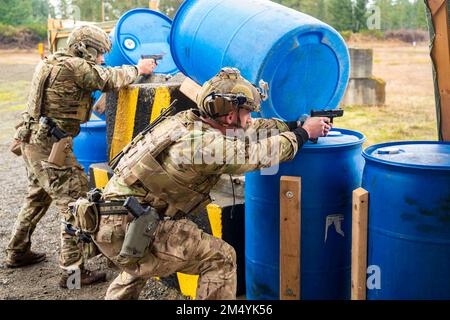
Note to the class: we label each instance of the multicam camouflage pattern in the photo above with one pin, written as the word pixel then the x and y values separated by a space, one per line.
pixel 227 81
pixel 48 183
pixel 69 86
pixel 194 161
pixel 90 36
pixel 62 88
pixel 179 245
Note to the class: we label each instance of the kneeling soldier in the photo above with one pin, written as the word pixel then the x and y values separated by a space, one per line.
pixel 167 173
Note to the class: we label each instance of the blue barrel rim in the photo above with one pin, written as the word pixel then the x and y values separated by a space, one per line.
pixel 361 139
pixel 93 124
pixel 367 154
pixel 125 16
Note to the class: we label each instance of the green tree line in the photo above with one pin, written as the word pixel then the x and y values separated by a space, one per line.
pixel 341 14
pixel 352 15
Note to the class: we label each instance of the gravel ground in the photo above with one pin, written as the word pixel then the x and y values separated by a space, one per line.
pixel 41 281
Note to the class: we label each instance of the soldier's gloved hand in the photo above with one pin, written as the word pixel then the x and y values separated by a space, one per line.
pixel 146 66
pixel 296 124
pixel 317 127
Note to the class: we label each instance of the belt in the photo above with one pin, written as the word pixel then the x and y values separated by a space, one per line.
pixel 112 208
pixel 115 208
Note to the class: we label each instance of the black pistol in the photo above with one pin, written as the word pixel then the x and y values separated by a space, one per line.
pixel 53 130
pixel 156 57
pixel 135 208
pixel 328 114
pixel 58 154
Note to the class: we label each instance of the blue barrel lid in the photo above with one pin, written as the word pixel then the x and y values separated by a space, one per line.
pixel 411 154
pixel 307 70
pixel 338 138
pixel 143 32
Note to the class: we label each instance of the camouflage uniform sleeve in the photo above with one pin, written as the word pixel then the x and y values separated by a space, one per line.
pixel 91 77
pixel 268 124
pixel 224 155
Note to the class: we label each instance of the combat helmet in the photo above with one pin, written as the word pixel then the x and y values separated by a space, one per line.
pixel 228 91
pixel 85 38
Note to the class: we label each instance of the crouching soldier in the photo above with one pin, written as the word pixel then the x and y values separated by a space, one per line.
pixel 167 173
pixel 59 100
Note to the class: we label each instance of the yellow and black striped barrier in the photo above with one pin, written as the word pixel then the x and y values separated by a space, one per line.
pixel 133 108
pixel 99 175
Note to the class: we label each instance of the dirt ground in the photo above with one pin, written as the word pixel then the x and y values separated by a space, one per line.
pixel 408 114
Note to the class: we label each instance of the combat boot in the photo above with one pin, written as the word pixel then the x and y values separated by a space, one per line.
pixel 87 277
pixel 17 260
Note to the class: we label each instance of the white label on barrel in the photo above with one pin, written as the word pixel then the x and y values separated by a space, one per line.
pixel 336 220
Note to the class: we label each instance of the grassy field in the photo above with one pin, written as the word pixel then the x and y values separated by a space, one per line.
pixel 409 113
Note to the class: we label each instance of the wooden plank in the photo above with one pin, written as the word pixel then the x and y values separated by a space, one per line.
pixel 441 58
pixel 100 105
pixel 290 238
pixel 359 243
pixel 190 89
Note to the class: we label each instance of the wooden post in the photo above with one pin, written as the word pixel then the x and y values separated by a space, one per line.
pixel 290 237
pixel 441 59
pixel 190 88
pixel 154 5
pixel 103 11
pixel 359 243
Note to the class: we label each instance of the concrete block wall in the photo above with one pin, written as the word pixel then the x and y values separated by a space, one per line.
pixel 364 88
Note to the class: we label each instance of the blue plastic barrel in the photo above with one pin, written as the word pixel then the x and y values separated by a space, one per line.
pixel 141 32
pixel 409 220
pixel 90 145
pixel 304 60
pixel 330 170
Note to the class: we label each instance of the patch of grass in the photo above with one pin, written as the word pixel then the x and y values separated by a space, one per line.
pixel 18 107
pixel 385 124
pixel 13 95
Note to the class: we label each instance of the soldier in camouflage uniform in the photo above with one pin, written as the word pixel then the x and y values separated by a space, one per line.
pixel 164 169
pixel 61 90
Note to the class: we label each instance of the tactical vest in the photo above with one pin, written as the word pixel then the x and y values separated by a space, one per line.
pixel 36 95
pixel 43 101
pixel 139 163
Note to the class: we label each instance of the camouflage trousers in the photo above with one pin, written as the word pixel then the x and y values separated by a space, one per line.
pixel 178 246
pixel 48 183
